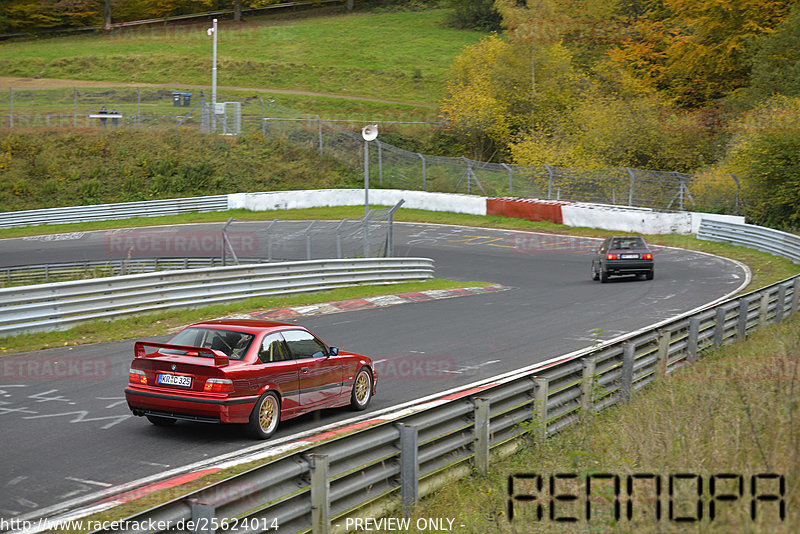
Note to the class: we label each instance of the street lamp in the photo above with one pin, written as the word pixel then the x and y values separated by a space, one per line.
pixel 369 133
pixel 213 32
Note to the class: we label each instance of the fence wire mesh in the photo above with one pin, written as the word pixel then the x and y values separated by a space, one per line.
pixel 389 166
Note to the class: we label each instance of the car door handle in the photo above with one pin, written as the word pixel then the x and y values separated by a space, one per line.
pixel 304 369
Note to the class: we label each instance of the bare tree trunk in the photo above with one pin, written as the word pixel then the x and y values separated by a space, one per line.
pixel 237 10
pixel 107 16
pixel 349 5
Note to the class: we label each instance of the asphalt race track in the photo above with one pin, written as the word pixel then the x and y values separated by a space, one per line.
pixel 72 435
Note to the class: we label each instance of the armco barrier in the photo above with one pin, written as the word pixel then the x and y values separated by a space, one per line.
pixel 110 212
pixel 61 305
pixel 401 457
pixel 752 236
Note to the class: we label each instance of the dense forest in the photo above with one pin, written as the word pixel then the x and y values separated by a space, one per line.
pixel 708 87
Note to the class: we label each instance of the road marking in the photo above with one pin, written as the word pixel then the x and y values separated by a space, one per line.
pixel 90 482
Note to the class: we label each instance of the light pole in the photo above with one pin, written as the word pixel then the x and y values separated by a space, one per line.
pixel 213 32
pixel 369 133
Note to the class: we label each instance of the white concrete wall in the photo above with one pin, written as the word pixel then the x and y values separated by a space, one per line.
pixel 626 220
pixel 421 200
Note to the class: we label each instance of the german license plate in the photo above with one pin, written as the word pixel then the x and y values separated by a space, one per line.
pixel 175 380
pixel 629 256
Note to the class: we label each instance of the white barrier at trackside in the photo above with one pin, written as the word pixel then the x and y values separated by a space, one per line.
pixel 421 200
pixel 637 220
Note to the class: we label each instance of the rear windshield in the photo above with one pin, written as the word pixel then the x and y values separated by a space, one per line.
pixel 230 342
pixel 627 243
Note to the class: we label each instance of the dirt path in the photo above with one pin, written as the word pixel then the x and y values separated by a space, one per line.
pixel 8 82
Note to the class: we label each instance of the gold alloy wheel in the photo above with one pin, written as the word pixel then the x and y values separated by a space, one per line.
pixel 362 387
pixel 268 415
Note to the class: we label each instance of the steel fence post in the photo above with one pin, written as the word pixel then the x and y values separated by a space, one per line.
pixel 781 303
pixel 795 295
pixel 664 341
pixel 424 175
pixel 202 517
pixel 719 326
pixel 549 182
pixel 409 467
pixel 510 177
pixel 380 163
pixel 628 353
pixel 587 385
pixel 741 325
pixel 482 420
pixel 692 340
pixel 320 494
pixel 10 108
pixel 763 309
pixel 630 189
pixel 319 133
pixel 540 407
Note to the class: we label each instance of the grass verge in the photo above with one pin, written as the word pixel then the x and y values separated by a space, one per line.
pixel 735 412
pixel 155 324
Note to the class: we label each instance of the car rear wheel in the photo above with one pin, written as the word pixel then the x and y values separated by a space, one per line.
pixel 603 276
pixel 161 421
pixel 362 389
pixel 650 274
pixel 265 416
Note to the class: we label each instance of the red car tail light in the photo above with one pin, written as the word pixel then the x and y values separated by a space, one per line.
pixel 137 376
pixel 218 385
pixel 612 256
pixel 647 256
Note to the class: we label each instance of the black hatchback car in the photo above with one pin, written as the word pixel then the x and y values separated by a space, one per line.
pixel 621 255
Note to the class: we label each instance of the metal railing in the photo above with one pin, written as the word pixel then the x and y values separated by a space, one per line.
pixel 29 274
pixel 59 306
pixel 401 457
pixel 111 212
pixel 749 235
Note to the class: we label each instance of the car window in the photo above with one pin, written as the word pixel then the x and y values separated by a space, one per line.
pixel 627 243
pixel 230 342
pixel 273 349
pixel 304 345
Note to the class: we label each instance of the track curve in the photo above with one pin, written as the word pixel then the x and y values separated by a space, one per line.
pixel 61 432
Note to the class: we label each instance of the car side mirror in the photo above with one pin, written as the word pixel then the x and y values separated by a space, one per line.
pixel 334 351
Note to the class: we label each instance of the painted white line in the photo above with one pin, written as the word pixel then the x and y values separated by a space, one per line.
pixel 90 482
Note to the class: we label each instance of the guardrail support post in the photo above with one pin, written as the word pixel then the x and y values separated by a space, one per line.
pixel 796 296
pixel 628 353
pixel 692 340
pixel 202 517
pixel 540 407
pixel 664 340
pixel 719 326
pixel 589 367
pixel 482 421
pixel 409 467
pixel 763 309
pixel 741 325
pixel 781 303
pixel 320 494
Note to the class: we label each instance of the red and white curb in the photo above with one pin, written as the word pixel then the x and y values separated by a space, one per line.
pixel 374 302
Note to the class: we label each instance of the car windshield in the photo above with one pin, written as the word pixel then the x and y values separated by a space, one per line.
pixel 628 243
pixel 230 342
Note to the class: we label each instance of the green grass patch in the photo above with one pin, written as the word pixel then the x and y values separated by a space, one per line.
pixel 155 324
pixel 401 56
pixel 734 411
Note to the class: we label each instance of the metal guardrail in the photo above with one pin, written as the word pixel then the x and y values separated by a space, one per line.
pixel 109 212
pixel 400 458
pixel 61 305
pixel 749 235
pixel 27 274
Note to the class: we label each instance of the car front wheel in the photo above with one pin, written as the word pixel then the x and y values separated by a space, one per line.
pixel 362 389
pixel 265 416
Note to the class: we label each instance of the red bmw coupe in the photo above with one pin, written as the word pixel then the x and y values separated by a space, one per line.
pixel 245 371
